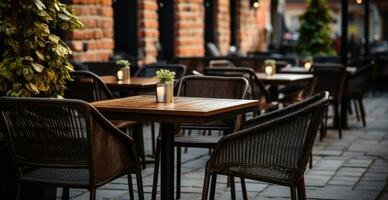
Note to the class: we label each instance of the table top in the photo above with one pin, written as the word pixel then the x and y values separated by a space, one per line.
pixel 184 109
pixel 283 79
pixel 132 83
pixel 302 70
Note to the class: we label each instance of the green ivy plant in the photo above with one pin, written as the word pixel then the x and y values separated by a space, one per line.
pixel 34 62
pixel 315 30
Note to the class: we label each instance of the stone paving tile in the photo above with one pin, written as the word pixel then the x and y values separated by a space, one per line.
pixel 352 168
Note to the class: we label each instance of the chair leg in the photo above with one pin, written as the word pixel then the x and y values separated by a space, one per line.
pixel 301 189
pixel 153 138
pixel 139 142
pixel 65 193
pixel 130 187
pixel 206 182
pixel 139 182
pixel 213 186
pixel 362 112
pixel 311 160
pixel 293 193
pixel 18 191
pixel 339 122
pixel 156 171
pixel 356 110
pixel 178 172
pixel 244 189
pixel 232 188
pixel 92 193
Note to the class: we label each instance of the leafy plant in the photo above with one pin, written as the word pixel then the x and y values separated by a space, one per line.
pixel 164 75
pixel 269 62
pixel 315 30
pixel 34 62
pixel 123 63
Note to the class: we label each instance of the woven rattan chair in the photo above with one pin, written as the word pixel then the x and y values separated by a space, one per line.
pixel 150 71
pixel 66 143
pixel 356 86
pixel 256 90
pixel 89 87
pixel 210 87
pixel 331 77
pixel 274 148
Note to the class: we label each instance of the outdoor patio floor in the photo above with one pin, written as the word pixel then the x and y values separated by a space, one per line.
pixel 352 168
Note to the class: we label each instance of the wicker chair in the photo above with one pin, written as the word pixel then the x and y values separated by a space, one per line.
pixel 356 86
pixel 256 90
pixel 331 77
pixel 89 87
pixel 211 87
pixel 274 148
pixel 66 143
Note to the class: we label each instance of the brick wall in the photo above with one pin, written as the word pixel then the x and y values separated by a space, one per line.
pixel 189 28
pixel 251 26
pixel 148 33
pixel 222 25
pixel 97 35
pixel 97 15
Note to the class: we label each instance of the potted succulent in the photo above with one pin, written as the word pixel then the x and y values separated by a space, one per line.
pixel 124 72
pixel 270 67
pixel 165 86
pixel 33 63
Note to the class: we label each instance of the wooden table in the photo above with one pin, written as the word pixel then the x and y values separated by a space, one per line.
pixel 133 84
pixel 183 110
pixel 302 70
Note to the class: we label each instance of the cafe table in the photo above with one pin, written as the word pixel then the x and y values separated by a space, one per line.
pixel 133 84
pixel 170 115
pixel 302 70
pixel 278 79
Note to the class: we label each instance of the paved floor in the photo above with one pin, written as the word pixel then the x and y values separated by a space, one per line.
pixel 353 168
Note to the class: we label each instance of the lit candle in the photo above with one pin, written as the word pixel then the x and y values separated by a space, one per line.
pixel 160 93
pixel 120 75
pixel 268 70
pixel 307 65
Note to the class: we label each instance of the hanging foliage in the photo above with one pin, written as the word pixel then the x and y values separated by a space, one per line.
pixel 34 62
pixel 315 30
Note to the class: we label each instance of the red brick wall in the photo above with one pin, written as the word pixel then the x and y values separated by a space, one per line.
pixel 148 33
pixel 97 34
pixel 250 25
pixel 222 25
pixel 189 28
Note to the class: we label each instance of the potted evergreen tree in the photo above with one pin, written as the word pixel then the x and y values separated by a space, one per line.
pixel 34 61
pixel 315 31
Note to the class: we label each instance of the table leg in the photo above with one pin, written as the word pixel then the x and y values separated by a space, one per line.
pixel 273 92
pixel 167 161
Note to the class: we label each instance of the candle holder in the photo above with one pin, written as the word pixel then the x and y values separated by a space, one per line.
pixel 165 87
pixel 308 63
pixel 270 67
pixel 120 75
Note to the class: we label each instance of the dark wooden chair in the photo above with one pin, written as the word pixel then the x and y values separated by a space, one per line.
pixel 89 87
pixel 66 143
pixel 150 71
pixel 210 87
pixel 256 89
pixel 356 86
pixel 331 77
pixel 274 148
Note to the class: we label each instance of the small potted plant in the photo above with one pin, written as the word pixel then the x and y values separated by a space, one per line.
pixel 124 72
pixel 165 86
pixel 270 67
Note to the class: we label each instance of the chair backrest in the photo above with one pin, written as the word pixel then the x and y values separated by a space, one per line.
pixel 257 89
pixel 150 70
pixel 213 87
pixel 280 140
pixel 87 86
pixel 221 63
pixel 64 133
pixel 358 83
pixel 329 77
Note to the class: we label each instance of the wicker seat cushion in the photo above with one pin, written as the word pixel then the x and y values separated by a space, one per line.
pixel 197 141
